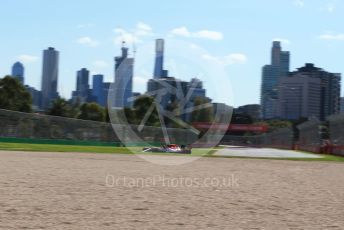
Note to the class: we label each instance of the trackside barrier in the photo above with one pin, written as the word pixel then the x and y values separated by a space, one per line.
pixel 309 136
pixel 281 138
pixel 44 128
pixel 336 130
pixel 251 141
pixel 37 128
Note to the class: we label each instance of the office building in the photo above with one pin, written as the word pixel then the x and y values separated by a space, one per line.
pixel 172 92
pixel 166 90
pixel 82 93
pixel 195 89
pixel 123 88
pixel 98 89
pixel 159 60
pixel 271 74
pixel 107 91
pixel 309 92
pixel 299 97
pixel 342 105
pixel 18 71
pixel 49 76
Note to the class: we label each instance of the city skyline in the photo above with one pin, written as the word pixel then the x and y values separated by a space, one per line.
pixel 272 74
pixel 239 43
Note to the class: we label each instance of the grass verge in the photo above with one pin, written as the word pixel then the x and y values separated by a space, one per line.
pixel 91 149
pixel 138 150
pixel 62 148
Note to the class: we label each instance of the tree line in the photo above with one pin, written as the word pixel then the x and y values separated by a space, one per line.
pixel 14 96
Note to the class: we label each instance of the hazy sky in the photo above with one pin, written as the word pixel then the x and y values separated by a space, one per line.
pixel 231 35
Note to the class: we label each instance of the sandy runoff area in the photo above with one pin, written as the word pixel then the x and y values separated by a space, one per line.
pixel 112 191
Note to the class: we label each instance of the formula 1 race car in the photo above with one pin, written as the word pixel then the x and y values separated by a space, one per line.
pixel 171 148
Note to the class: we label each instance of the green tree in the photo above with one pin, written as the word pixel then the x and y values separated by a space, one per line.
pixel 141 107
pixel 74 109
pixel 14 96
pixel 204 114
pixel 130 116
pixel 60 107
pixel 238 118
pixel 107 114
pixel 92 111
pixel 276 124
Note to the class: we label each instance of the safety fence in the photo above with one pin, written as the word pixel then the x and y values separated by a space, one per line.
pixel 252 141
pixel 34 128
pixel 336 137
pixel 310 137
pixel 281 138
pixel 313 136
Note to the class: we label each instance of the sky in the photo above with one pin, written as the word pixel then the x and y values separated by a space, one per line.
pixel 224 43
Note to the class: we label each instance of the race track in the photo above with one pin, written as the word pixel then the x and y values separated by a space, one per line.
pixel 41 190
pixel 240 151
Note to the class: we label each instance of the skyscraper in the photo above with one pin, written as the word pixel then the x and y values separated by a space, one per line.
pixel 342 105
pixel 82 80
pixel 82 92
pixel 299 96
pixel 309 91
pixel 18 71
pixel 98 89
pixel 49 76
pixel 107 91
pixel 124 70
pixel 276 53
pixel 271 75
pixel 159 60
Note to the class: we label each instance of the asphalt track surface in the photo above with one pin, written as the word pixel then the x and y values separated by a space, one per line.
pixel 241 151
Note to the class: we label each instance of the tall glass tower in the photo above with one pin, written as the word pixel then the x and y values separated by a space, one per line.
pixel 159 59
pixel 18 71
pixel 98 88
pixel 124 70
pixel 49 76
pixel 82 80
pixel 271 75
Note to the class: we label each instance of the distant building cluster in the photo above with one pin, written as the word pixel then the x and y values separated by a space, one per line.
pixel 170 90
pixel 41 99
pixel 123 95
pixel 308 92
